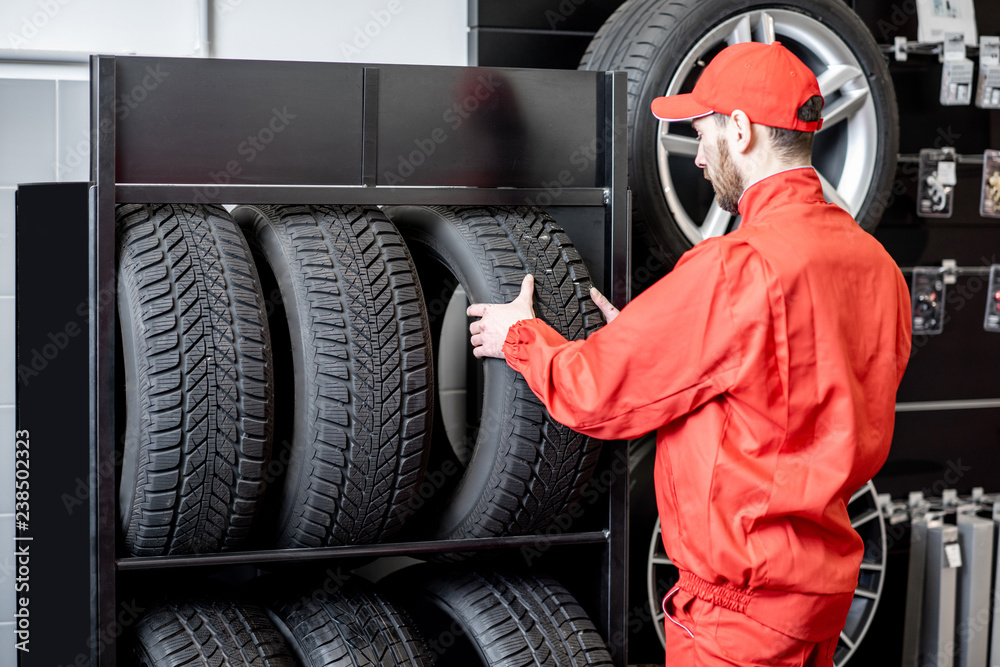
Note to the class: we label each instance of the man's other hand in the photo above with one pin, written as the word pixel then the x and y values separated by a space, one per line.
pixel 490 331
pixel 610 312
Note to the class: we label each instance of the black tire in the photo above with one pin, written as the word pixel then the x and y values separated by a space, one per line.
pixel 525 468
pixel 199 386
pixel 210 634
pixel 650 40
pixel 363 382
pixel 353 626
pixel 504 619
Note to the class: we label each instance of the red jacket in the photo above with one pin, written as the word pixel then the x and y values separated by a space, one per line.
pixel 768 361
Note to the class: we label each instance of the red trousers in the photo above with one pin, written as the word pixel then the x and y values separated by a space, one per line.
pixel 701 634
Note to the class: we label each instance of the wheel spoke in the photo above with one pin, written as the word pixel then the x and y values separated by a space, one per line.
pixel 743 32
pixel 678 144
pixel 765 30
pixel 860 493
pixel 834 197
pixel 847 640
pixel 872 567
pixel 716 222
pixel 661 560
pixel 836 77
pixel 844 107
pixel 865 593
pixel 864 518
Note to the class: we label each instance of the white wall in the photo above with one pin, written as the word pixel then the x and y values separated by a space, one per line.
pixel 62 28
pixel 44 117
pixel 420 32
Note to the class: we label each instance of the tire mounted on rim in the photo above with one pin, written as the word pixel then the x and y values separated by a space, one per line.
pixel 199 385
pixel 525 468
pixel 665 44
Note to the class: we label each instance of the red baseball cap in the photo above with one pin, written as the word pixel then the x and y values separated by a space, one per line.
pixel 766 81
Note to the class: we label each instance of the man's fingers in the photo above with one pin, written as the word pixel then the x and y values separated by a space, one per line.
pixel 602 303
pixel 527 288
pixel 475 328
pixel 477 309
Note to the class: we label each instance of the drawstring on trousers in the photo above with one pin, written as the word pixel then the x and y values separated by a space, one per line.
pixel 673 620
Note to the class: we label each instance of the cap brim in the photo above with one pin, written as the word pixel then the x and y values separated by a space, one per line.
pixel 678 107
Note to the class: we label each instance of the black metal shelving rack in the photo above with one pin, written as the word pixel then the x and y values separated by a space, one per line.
pixel 175 130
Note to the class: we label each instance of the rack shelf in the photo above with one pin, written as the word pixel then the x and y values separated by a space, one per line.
pixel 175 138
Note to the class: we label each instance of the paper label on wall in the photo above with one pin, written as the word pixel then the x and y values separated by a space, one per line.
pixel 953 554
pixel 936 17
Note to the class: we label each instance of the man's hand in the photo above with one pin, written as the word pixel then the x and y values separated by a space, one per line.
pixel 490 332
pixel 610 312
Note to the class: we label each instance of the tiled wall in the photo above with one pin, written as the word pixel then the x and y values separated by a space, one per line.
pixel 43 124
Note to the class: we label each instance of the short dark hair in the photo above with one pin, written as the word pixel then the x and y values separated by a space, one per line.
pixel 792 144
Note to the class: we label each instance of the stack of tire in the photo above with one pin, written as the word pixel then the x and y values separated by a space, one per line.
pixel 279 385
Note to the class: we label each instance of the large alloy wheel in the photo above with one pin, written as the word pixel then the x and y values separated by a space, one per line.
pixel 665 44
pixel 866 518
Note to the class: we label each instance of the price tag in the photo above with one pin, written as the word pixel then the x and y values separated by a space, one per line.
pixel 946 172
pixel 953 554
pixel 954 46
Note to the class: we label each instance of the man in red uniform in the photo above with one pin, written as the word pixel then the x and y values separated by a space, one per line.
pixel 767 361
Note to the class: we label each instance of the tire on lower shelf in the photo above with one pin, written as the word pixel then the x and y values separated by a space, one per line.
pixel 211 633
pixel 503 619
pixel 663 45
pixel 353 626
pixel 361 380
pixel 198 375
pixel 525 468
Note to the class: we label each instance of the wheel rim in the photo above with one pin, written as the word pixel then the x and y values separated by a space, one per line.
pixel 866 518
pixel 844 148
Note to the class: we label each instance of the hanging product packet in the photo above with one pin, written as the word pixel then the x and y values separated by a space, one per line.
pixel 989 202
pixel 988 90
pixel 937 177
pixel 956 72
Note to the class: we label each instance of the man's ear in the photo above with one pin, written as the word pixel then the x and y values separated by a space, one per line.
pixel 740 131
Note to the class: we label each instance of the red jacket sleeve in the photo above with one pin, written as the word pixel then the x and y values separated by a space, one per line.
pixel 672 349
